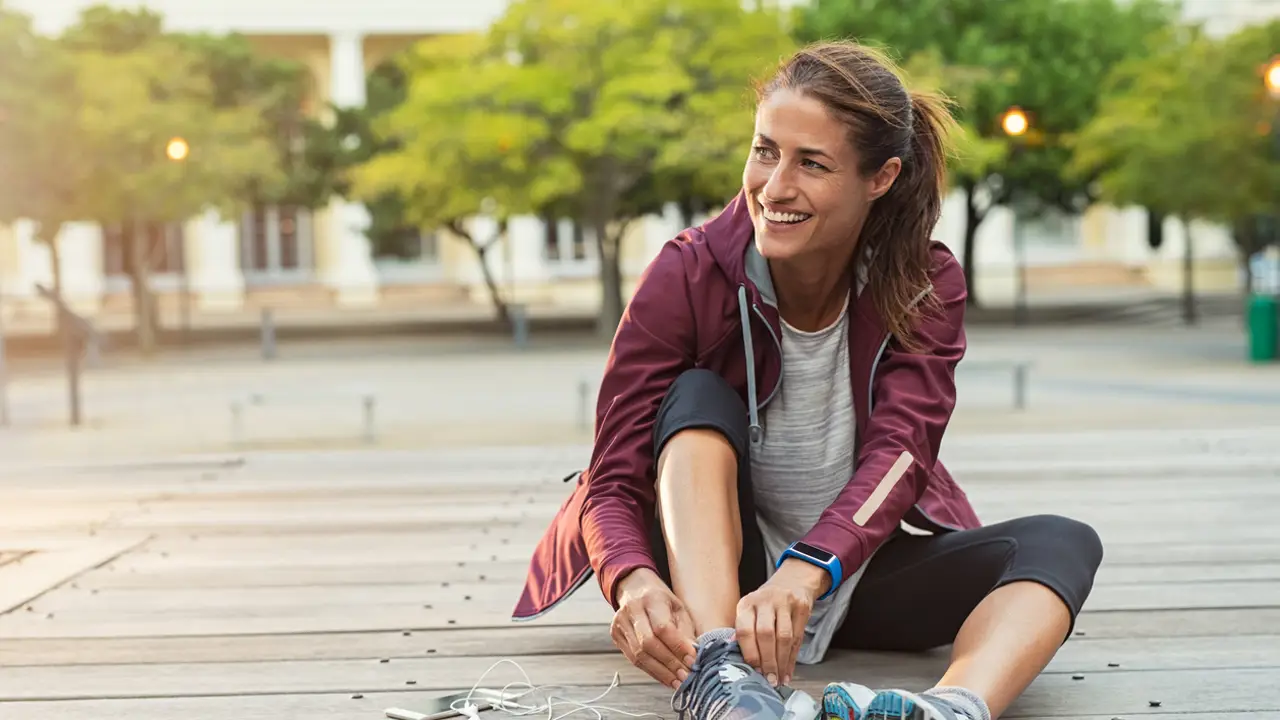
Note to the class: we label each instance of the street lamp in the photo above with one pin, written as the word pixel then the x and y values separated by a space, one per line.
pixel 177 150
pixel 1015 124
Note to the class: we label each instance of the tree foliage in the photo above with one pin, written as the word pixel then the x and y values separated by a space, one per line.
pixel 599 112
pixel 43 177
pixel 1048 57
pixel 1185 130
pixel 1189 132
pixel 89 117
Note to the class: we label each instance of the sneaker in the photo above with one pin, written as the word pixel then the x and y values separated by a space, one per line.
pixel 903 705
pixel 846 701
pixel 722 686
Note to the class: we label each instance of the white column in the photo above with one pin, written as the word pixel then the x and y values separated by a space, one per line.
pixel 348 266
pixel 212 249
pixel 35 264
pixel 80 255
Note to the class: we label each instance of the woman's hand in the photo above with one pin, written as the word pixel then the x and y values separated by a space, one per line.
pixel 771 620
pixel 653 628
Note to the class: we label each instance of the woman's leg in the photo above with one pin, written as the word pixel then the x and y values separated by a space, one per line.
pixel 708 547
pixel 1004 596
pixel 707 542
pixel 698 506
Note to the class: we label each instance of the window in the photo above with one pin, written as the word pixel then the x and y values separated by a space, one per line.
pixel 276 242
pixel 566 241
pixel 163 244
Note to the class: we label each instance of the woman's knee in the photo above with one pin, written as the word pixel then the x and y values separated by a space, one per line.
pixel 1070 536
pixel 702 409
pixel 1059 551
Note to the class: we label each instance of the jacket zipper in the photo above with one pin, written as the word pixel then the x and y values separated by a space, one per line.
pixel 776 343
pixel 871 381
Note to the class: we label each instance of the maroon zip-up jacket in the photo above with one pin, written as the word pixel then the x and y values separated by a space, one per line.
pixel 707 301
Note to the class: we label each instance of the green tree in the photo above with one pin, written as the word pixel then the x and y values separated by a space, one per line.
pixel 600 111
pixel 1048 57
pixel 42 175
pixel 138 89
pixel 1185 131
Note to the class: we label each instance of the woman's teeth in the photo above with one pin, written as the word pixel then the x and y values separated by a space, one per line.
pixel 784 217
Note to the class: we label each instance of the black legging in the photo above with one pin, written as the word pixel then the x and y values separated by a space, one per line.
pixel 918 589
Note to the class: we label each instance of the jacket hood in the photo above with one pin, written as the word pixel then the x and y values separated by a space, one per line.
pixel 730 236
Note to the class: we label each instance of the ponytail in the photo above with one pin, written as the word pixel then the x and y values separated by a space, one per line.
pixel 899 229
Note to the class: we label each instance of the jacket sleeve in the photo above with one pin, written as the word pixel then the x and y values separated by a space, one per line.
pixel 914 395
pixel 653 345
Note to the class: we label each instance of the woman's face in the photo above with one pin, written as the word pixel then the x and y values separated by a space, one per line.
pixel 807 196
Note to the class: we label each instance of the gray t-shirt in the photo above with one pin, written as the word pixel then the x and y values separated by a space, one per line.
pixel 806 458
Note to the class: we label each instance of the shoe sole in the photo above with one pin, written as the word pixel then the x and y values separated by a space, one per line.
pixel 901 705
pixel 838 704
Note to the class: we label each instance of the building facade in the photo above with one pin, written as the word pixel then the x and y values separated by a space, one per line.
pixel 281 256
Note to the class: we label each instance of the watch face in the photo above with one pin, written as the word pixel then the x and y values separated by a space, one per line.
pixel 821 556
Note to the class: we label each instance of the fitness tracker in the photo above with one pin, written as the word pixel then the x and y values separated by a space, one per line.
pixel 815 556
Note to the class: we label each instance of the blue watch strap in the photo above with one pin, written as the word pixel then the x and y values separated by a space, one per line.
pixel 832 566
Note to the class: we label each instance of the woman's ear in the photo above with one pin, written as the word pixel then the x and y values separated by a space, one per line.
pixel 885 177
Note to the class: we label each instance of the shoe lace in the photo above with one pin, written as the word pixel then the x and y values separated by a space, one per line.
pixel 703 693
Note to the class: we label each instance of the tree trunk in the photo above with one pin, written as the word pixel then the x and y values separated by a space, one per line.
pixel 144 310
pixel 611 304
pixel 501 312
pixel 972 219
pixel 1188 275
pixel 55 260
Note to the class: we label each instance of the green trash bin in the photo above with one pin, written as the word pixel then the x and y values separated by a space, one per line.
pixel 1264 328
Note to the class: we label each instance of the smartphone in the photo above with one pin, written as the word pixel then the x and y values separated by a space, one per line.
pixel 439 708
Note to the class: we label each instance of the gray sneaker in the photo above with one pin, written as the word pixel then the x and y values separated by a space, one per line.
pixel 722 686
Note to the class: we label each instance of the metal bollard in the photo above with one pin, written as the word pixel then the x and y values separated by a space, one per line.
pixel 584 407
pixel 1020 387
pixel 519 324
pixel 237 424
pixel 369 435
pixel 268 335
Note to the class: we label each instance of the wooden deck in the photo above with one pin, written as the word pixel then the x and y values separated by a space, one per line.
pixel 337 586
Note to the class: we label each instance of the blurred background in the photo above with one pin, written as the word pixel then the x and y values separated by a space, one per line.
pixel 409 222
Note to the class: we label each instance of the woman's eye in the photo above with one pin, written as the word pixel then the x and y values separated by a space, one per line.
pixel 814 165
pixel 764 153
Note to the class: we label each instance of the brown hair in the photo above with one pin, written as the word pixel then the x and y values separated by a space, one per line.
pixel 862 87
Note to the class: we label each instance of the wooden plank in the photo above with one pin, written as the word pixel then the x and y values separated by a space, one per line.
pixel 517 639
pixel 523 639
pixel 1114 691
pixel 589 609
pixel 371 706
pixel 496 598
pixel 360 574
pixel 1177 623
pixel 29 577
pixel 513 571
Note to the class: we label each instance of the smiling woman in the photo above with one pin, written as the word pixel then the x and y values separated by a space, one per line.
pixel 741 524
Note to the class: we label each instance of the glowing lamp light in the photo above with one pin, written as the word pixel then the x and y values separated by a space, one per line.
pixel 1014 122
pixel 1272 77
pixel 177 149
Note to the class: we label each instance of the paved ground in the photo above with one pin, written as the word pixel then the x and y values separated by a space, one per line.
pixel 432 393
pixel 149 568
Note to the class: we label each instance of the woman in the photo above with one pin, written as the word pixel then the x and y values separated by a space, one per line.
pixel 769 420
